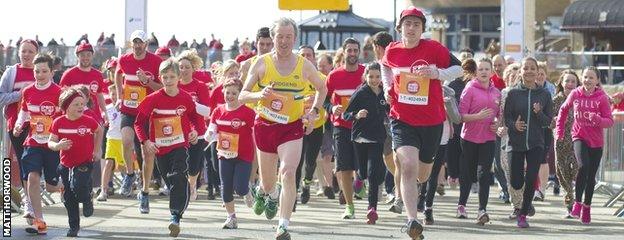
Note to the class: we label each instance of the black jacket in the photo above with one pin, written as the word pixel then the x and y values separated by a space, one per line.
pixel 372 126
pixel 458 86
pixel 519 102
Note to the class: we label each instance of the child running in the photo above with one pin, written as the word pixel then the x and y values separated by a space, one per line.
pixel 170 113
pixel 232 124
pixel 39 107
pixel 113 152
pixel 75 135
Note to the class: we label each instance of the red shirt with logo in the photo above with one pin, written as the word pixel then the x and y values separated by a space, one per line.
pixel 203 76
pixel 200 94
pixel 133 90
pixel 498 82
pixel 23 78
pixel 93 79
pixel 234 132
pixel 406 105
pixel 42 106
pixel 170 120
pixel 341 84
pixel 82 134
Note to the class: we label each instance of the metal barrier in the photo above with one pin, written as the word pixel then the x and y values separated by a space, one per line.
pixel 611 173
pixel 610 64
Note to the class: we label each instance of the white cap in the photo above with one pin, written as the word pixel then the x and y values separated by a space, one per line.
pixel 140 34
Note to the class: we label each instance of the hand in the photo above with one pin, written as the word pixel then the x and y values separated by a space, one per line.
pixel 118 104
pixel 193 137
pixel 143 78
pixel 266 91
pixel 485 113
pixel 361 114
pixel 337 110
pixel 388 98
pixel 520 125
pixel 502 131
pixel 537 107
pixel 430 72
pixel 64 144
pixel 494 127
pixel 595 118
pixel 150 147
pixel 106 123
pixel 17 130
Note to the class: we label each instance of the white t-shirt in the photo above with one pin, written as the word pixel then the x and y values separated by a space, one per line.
pixel 114 126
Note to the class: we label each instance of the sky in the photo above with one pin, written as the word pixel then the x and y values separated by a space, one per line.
pixel 187 19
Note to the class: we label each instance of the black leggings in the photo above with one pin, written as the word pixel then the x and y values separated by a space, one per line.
pixel 427 192
pixel 234 177
pixel 476 165
pixel 499 173
pixel 371 166
pixel 212 166
pixel 196 157
pixel 588 160
pixel 454 152
pixel 309 153
pixel 518 178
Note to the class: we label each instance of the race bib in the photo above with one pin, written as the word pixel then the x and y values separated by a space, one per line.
pixel 276 107
pixel 227 145
pixel 40 128
pixel 413 89
pixel 133 95
pixel 168 131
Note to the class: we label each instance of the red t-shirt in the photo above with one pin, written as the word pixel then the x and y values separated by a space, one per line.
pixel 234 130
pixel 23 78
pixel 341 84
pixel 42 105
pixel 216 97
pixel 133 90
pixel 170 120
pixel 498 82
pixel 242 57
pixel 93 79
pixel 200 94
pixel 416 111
pixel 82 134
pixel 203 76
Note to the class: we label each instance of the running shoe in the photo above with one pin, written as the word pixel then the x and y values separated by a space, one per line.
pixel 126 185
pixel 539 196
pixel 429 217
pixel 30 217
pixel 531 211
pixel 414 229
pixel 514 214
pixel 38 227
pixel 576 210
pixel 73 232
pixel 522 221
pixel 87 208
pixel 390 198
pixel 305 192
pixel 259 202
pixel 270 208
pixel 282 233
pixel 174 226
pixel 461 212
pixel 102 197
pixel 143 203
pixel 397 206
pixel 329 193
pixel 341 198
pixel 586 215
pixel 371 216
pixel 230 223
pixel 440 190
pixel 349 212
pixel 249 200
pixel 482 218
pixel 359 188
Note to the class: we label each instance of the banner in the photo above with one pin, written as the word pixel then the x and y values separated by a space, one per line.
pixel 136 17
pixel 513 28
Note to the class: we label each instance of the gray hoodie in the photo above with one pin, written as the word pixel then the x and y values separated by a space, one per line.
pixel 519 102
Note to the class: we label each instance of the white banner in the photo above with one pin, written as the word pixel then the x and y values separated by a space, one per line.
pixel 136 17
pixel 513 28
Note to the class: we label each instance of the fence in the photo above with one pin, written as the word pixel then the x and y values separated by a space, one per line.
pixel 610 64
pixel 611 174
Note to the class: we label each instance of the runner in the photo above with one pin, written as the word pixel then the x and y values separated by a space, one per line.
pixel 163 52
pixel 368 110
pixel 278 129
pixel 113 154
pixel 38 107
pixel 479 107
pixel 324 66
pixel 566 163
pixel 416 106
pixel 136 77
pixel 592 113
pixel 341 84
pixel 77 137
pixel 527 112
pixel 172 120
pixel 232 124
pixel 189 62
pixel 497 78
pixel 542 180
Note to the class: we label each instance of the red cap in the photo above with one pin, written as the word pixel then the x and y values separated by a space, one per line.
pixel 111 63
pixel 163 51
pixel 412 11
pixel 84 46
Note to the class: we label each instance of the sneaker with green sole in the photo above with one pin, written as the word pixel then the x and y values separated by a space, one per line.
pixel 349 212
pixel 259 202
pixel 270 208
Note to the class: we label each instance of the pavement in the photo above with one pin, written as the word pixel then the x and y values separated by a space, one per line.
pixel 119 218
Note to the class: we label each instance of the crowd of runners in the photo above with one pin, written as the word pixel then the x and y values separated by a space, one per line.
pixel 415 115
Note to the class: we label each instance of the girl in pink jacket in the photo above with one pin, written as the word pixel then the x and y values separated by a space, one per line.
pixel 592 113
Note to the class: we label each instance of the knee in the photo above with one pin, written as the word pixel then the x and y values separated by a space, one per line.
pixel 408 167
pixel 288 171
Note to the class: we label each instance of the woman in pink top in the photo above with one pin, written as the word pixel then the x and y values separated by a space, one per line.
pixel 479 107
pixel 592 113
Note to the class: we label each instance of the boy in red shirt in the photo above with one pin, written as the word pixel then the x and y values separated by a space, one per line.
pixel 232 124
pixel 39 107
pixel 76 160
pixel 173 124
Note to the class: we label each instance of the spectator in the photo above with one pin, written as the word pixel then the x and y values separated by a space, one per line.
pixel 19 41
pixel 84 37
pixel 173 44
pixel 202 50
pixel 213 41
pixel 58 68
pixel 194 44
pixel 234 49
pixel 62 42
pixel 52 43
pixel 152 43
pixel 184 45
pixel 216 52
pixel 246 52
pixel 163 52
pixel 100 40
pixel 38 42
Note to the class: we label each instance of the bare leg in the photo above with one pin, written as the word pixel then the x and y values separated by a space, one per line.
pixel 290 155
pixel 127 140
pixel 34 191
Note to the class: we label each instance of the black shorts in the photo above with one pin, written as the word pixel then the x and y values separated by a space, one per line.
pixel 425 138
pixel 128 121
pixel 39 159
pixel 344 150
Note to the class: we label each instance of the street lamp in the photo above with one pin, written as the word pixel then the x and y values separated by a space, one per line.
pixel 439 25
pixel 543 27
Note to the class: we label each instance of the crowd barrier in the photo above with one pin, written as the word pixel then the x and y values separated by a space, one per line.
pixel 611 173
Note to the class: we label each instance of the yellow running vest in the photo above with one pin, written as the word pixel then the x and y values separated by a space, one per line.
pixel 285 105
